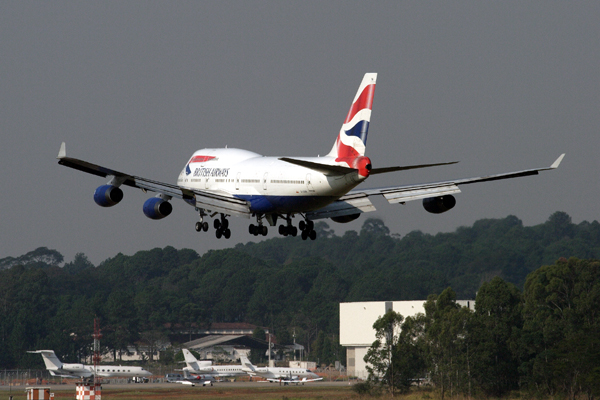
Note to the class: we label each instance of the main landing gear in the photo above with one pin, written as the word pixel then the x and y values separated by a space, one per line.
pixel 306 227
pixel 221 225
pixel 308 230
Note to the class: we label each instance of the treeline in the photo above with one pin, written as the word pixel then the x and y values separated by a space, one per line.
pixel 544 340
pixel 285 284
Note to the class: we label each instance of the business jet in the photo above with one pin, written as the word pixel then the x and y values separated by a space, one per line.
pixel 225 182
pixel 195 367
pixel 57 368
pixel 279 374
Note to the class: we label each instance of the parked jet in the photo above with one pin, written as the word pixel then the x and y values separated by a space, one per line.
pixel 279 374
pixel 195 367
pixel 220 183
pixel 57 368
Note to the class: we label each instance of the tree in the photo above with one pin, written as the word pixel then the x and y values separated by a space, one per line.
pixel 495 334
pixel 380 356
pixel 561 328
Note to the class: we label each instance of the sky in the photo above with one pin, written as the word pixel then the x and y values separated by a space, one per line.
pixel 138 86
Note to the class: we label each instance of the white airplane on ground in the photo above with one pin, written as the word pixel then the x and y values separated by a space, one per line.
pixel 279 374
pixel 232 182
pixel 194 367
pixel 57 368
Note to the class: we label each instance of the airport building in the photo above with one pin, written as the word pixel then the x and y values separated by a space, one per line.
pixel 356 327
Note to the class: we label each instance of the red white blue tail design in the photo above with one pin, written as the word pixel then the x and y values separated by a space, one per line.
pixel 352 139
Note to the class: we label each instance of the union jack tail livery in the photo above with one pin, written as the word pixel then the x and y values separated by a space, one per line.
pixel 352 139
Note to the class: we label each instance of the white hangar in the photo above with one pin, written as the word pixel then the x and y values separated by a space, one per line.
pixel 356 327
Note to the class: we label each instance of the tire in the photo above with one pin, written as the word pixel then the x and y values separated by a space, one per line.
pixel 219 233
pixel 198 226
pixel 205 226
pixel 227 233
pixel 251 229
pixel 265 230
pixel 302 225
pixel 217 224
pixel 312 235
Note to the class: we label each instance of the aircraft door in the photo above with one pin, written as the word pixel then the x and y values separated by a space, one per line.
pixel 265 177
pixel 237 181
pixel 309 185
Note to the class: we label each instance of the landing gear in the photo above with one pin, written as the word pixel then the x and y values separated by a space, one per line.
pixel 258 230
pixel 308 230
pixel 201 225
pixel 222 227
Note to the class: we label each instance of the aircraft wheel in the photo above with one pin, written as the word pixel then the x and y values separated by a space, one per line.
pixel 251 229
pixel 265 230
pixel 282 230
pixel 304 235
pixel 198 226
pixel 227 233
pixel 302 225
pixel 205 226
pixel 294 231
pixel 224 223
pixel 312 235
pixel 310 225
pixel 217 224
pixel 219 233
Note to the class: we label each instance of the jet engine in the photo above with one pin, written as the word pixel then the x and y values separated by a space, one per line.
pixel 345 218
pixel 108 195
pixel 157 208
pixel 440 204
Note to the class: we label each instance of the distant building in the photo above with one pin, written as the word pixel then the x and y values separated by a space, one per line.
pixel 225 348
pixel 356 327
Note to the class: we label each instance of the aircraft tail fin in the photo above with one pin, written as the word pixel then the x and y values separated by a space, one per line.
pixel 190 360
pixel 352 139
pixel 52 362
pixel 246 364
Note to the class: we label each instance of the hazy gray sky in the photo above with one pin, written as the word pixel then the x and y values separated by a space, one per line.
pixel 138 86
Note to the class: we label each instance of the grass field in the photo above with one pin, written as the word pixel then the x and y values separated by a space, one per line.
pixel 288 393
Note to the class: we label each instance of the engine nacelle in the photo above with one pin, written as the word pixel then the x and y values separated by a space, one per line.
pixel 345 218
pixel 157 208
pixel 440 204
pixel 108 195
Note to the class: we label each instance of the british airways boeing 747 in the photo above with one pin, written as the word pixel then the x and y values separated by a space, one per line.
pixel 219 183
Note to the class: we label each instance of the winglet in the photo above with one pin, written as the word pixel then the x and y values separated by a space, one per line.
pixel 62 153
pixel 557 162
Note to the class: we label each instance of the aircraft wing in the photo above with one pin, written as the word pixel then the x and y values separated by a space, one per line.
pixel 292 380
pixel 207 199
pixel 355 201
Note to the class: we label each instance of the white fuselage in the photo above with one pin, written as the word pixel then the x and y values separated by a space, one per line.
pixel 217 370
pixel 269 184
pixel 283 373
pixel 85 371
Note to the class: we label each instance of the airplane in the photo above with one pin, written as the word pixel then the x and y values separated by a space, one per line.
pixel 191 379
pixel 224 182
pixel 57 368
pixel 193 366
pixel 279 374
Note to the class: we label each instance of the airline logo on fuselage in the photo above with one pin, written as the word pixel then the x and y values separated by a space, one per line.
pixel 198 159
pixel 213 172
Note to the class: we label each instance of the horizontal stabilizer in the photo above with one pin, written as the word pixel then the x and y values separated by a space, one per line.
pixel 375 171
pixel 322 168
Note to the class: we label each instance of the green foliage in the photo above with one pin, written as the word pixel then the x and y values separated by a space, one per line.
pixel 545 338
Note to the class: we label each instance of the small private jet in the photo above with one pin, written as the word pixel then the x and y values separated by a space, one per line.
pixel 224 182
pixel 194 367
pixel 284 375
pixel 57 368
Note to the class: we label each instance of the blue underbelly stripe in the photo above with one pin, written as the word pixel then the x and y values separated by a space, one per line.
pixel 285 204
